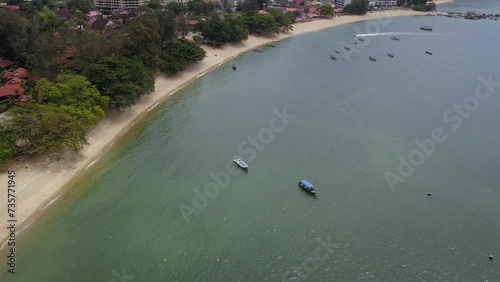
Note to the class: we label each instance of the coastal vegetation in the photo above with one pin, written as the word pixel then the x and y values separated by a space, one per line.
pixel 222 30
pixel 78 65
pixel 60 116
pixel 121 79
pixel 79 71
pixel 357 7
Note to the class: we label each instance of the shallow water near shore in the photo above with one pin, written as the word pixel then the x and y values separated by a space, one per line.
pixel 353 119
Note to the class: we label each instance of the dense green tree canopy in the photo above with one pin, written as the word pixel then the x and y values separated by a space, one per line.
pixel 358 7
pixel 177 8
pixel 144 40
pixel 13 33
pixel 61 116
pixel 260 23
pixel 121 79
pixel 215 30
pixel 326 10
pixel 43 54
pixel 7 144
pixel 177 55
pixel 48 128
pixel 200 7
pixel 282 20
pixel 236 28
pixel 75 91
pixel 82 5
pixel 168 25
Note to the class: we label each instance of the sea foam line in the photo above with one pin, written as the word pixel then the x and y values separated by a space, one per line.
pixel 152 107
pixel 91 164
pixel 51 202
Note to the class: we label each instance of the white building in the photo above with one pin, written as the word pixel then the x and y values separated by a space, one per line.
pixel 385 3
pixel 342 3
pixel 110 5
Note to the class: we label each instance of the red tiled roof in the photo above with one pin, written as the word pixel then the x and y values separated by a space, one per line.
pixel 5 63
pixel 23 99
pixel 11 7
pixel 14 81
pixel 20 72
pixel 11 91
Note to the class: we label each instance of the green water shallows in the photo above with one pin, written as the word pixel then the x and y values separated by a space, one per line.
pixel 353 120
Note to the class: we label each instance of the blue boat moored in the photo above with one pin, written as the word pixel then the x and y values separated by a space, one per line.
pixel 307 186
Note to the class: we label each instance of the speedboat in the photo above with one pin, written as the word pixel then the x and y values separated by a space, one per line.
pixel 257 50
pixel 272 45
pixel 427 28
pixel 307 186
pixel 427 52
pixel 234 67
pixel 333 57
pixel 355 42
pixel 361 39
pixel 372 58
pixel 347 47
pixel 337 51
pixel 394 38
pixel 390 55
pixel 239 162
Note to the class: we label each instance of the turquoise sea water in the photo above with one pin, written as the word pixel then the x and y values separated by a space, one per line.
pixel 353 119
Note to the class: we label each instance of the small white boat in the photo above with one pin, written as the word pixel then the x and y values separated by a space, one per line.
pixel 372 58
pixel 390 55
pixel 239 162
pixel 347 47
pixel 337 51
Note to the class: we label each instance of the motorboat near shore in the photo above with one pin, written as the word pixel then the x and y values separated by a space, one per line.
pixel 390 55
pixel 361 39
pixel 258 50
pixel 347 47
pixel 307 186
pixel 372 58
pixel 333 57
pixel 239 162
pixel 426 28
pixel 394 38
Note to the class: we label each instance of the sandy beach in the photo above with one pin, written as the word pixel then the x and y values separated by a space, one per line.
pixel 40 183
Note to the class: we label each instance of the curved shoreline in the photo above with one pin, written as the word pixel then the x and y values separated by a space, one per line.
pixel 41 183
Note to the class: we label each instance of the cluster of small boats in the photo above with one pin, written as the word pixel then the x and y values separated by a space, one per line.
pixel 304 184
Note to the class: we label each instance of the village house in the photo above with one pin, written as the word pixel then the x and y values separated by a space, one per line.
pixel 4 63
pixel 13 89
